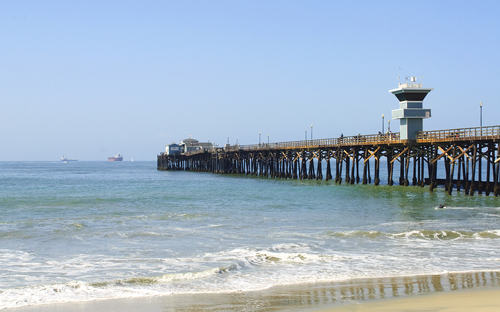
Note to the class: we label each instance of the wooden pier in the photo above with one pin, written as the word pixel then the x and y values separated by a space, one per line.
pixel 463 152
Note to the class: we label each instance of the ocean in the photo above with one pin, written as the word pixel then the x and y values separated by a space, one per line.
pixel 84 231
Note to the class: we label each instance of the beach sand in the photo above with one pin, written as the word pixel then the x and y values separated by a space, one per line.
pixel 478 291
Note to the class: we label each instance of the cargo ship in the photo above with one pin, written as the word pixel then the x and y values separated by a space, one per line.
pixel 115 158
pixel 68 159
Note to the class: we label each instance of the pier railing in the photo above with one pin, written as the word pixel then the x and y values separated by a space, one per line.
pixel 348 140
pixel 448 135
pixel 461 134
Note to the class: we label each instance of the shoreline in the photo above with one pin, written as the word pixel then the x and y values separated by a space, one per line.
pixel 350 295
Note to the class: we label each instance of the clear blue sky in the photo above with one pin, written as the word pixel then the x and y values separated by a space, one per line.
pixel 89 79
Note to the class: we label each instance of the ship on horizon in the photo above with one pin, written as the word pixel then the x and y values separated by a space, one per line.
pixel 68 159
pixel 117 157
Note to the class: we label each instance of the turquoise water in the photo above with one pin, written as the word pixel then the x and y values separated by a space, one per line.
pixel 81 231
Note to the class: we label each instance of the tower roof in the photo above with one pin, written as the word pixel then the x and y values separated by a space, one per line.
pixel 411 91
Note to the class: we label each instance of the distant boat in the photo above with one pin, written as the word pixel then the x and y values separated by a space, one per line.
pixel 132 159
pixel 68 159
pixel 115 158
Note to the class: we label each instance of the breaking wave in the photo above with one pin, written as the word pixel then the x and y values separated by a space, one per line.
pixel 422 234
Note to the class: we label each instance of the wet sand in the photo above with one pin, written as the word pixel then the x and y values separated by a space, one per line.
pixel 478 291
pixel 485 300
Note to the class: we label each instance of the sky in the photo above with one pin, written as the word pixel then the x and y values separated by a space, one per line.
pixel 90 79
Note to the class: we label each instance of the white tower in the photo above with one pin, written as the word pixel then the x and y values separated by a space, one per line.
pixel 411 112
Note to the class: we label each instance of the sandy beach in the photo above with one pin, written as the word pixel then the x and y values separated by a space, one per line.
pixel 478 291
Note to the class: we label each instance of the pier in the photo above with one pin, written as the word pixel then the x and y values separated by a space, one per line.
pixel 463 153
pixel 470 156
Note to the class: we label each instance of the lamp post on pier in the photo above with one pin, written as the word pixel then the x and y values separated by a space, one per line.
pixel 268 139
pixel 383 123
pixel 311 132
pixel 305 134
pixel 259 138
pixel 388 126
pixel 481 114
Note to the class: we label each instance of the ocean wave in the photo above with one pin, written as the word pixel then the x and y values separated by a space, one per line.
pixel 275 257
pixel 278 254
pixel 132 287
pixel 239 273
pixel 348 234
pixel 167 278
pixel 419 234
pixel 77 225
pixel 15 234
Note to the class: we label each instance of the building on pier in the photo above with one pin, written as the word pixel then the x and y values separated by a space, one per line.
pixel 411 112
pixel 173 149
pixel 187 146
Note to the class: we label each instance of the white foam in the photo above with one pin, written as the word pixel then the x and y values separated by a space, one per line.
pixel 244 268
